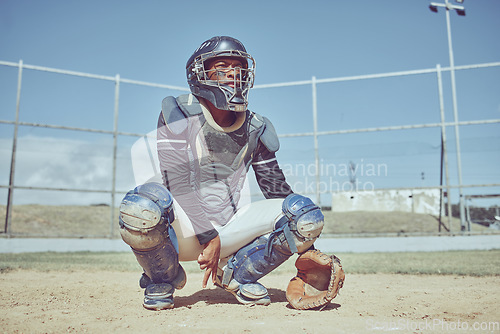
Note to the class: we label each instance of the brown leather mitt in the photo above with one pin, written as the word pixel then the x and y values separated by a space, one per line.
pixel 319 279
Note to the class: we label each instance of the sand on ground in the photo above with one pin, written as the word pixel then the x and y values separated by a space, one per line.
pixel 108 301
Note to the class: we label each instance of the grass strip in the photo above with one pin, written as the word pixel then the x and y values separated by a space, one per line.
pixel 469 263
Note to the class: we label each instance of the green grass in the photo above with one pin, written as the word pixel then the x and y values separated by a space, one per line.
pixel 470 263
pixel 72 261
pixel 76 221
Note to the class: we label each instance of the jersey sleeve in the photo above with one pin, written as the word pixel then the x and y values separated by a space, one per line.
pixel 269 175
pixel 176 170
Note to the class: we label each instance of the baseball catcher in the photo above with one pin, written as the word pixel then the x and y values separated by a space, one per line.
pixel 191 209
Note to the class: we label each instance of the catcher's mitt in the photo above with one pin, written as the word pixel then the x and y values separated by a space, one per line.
pixel 319 278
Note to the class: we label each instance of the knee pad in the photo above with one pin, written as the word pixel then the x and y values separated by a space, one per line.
pixel 146 207
pixel 301 224
pixel 146 214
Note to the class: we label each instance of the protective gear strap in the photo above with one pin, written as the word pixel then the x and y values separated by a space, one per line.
pixel 289 239
pixel 173 237
pixel 227 276
pixel 283 231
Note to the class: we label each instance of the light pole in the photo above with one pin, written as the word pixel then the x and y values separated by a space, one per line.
pixel 460 11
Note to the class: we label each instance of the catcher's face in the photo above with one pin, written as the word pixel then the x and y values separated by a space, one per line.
pixel 227 71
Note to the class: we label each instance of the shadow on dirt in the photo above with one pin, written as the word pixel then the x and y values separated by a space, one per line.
pixel 219 296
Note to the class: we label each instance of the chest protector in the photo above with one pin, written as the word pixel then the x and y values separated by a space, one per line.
pixel 218 161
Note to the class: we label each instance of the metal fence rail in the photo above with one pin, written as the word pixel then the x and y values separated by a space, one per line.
pixel 315 134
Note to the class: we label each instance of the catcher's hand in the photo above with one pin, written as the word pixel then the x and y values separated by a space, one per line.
pixel 319 278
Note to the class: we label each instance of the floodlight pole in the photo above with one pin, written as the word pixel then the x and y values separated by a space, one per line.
pixel 315 128
pixel 461 11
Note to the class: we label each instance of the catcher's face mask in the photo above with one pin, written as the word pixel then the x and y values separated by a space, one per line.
pixel 224 96
pixel 228 75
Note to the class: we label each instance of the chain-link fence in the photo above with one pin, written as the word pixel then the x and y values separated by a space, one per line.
pixel 66 139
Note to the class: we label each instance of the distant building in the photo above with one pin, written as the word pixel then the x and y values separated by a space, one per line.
pixel 416 201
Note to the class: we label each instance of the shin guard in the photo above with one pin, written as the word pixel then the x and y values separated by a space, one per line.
pixel 145 217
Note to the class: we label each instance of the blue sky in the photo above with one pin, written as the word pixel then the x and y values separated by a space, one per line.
pixel 291 41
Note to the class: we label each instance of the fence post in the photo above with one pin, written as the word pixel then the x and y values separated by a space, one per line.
pixel 115 148
pixel 10 196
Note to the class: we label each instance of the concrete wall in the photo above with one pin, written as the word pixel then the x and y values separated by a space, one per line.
pixel 416 201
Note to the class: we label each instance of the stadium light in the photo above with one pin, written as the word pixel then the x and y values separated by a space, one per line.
pixel 460 11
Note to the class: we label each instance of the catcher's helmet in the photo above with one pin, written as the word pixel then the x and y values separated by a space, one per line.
pixel 221 95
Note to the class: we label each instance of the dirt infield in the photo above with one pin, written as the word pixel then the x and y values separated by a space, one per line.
pixel 110 301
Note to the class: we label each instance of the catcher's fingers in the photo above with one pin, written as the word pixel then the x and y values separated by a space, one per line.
pixel 209 272
pixel 205 278
pixel 204 265
pixel 202 262
pixel 209 260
